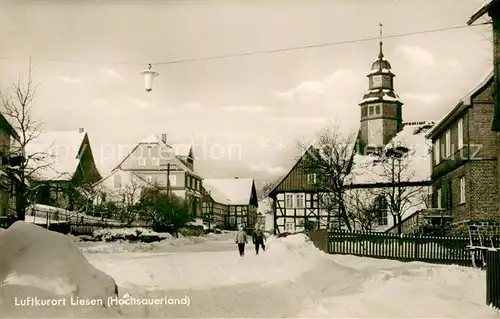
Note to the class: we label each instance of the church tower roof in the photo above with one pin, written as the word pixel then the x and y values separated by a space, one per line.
pixel 381 68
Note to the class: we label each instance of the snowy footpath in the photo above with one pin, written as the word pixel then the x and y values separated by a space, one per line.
pixel 290 279
pixel 206 278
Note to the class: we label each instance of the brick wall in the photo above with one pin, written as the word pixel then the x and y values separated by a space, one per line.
pixel 483 190
pixel 461 212
pixel 481 115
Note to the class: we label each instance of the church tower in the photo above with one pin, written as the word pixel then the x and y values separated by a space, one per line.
pixel 381 116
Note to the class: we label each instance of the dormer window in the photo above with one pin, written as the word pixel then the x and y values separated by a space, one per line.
pixel 155 161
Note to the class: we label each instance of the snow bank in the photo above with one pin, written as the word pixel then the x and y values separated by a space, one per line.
pixel 132 234
pixel 36 263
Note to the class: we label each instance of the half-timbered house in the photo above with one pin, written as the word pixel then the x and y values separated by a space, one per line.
pixel 230 202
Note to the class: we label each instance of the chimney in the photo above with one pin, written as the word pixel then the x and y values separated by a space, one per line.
pixel 164 138
pixel 81 130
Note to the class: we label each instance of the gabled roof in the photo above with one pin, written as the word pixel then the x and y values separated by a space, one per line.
pixel 59 154
pixel 416 165
pixel 154 139
pixel 230 191
pixel 180 149
pixel 463 103
pixel 313 146
pixel 12 131
pixel 481 11
pixel 366 171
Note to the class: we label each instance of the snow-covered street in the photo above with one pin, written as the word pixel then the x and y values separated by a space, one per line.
pixel 291 279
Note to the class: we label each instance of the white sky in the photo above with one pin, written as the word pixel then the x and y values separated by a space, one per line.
pixel 257 104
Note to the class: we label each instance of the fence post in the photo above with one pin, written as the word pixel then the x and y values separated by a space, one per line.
pixel 493 278
pixel 417 242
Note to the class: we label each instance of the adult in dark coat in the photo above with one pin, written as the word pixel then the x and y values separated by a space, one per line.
pixel 258 238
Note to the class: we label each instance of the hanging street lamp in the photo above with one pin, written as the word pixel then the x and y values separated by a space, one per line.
pixel 149 76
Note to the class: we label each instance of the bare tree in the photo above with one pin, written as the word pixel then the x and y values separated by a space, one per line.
pixel 130 195
pixel 396 167
pixel 267 187
pixel 330 159
pixel 17 108
pixel 362 209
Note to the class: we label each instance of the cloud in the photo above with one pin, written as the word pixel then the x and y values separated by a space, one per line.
pixel 421 98
pixel 415 54
pixel 453 64
pixel 307 91
pixel 109 75
pixel 194 106
pixel 268 169
pixel 143 104
pixel 100 102
pixel 298 120
pixel 246 109
pixel 67 79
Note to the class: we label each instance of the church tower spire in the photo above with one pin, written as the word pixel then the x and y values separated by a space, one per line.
pixel 381 53
pixel 381 112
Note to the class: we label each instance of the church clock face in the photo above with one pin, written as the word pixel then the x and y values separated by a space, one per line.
pixel 377 81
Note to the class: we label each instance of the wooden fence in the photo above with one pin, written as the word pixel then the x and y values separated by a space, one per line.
pixel 403 247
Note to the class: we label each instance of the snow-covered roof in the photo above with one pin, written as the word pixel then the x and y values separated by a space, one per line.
pixel 180 149
pixel 55 155
pixel 482 10
pixel 464 102
pixel 230 191
pixel 380 94
pixel 415 166
pixel 386 71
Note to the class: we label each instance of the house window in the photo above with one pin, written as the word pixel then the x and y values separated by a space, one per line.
pixel 289 201
pixel 117 181
pixel 197 185
pixel 377 109
pixel 155 161
pixel 363 111
pixel 311 178
pixel 232 220
pixel 449 196
pixel 462 189
pixel 381 208
pixel 460 131
pixel 142 161
pixel 371 110
pixel 448 143
pixel 149 179
pixel 438 198
pixel 300 201
pixel 289 227
pixel 173 180
pixel 437 153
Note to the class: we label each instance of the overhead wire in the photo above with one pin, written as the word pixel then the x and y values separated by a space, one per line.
pixel 262 52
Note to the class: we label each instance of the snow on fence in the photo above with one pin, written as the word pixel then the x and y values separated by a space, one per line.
pixel 403 247
pixel 89 228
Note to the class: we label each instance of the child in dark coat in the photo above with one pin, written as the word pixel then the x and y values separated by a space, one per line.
pixel 241 240
pixel 258 238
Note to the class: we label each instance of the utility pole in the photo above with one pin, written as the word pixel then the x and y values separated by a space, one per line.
pixel 168 179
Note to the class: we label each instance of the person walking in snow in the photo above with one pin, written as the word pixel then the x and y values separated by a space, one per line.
pixel 258 238
pixel 241 240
